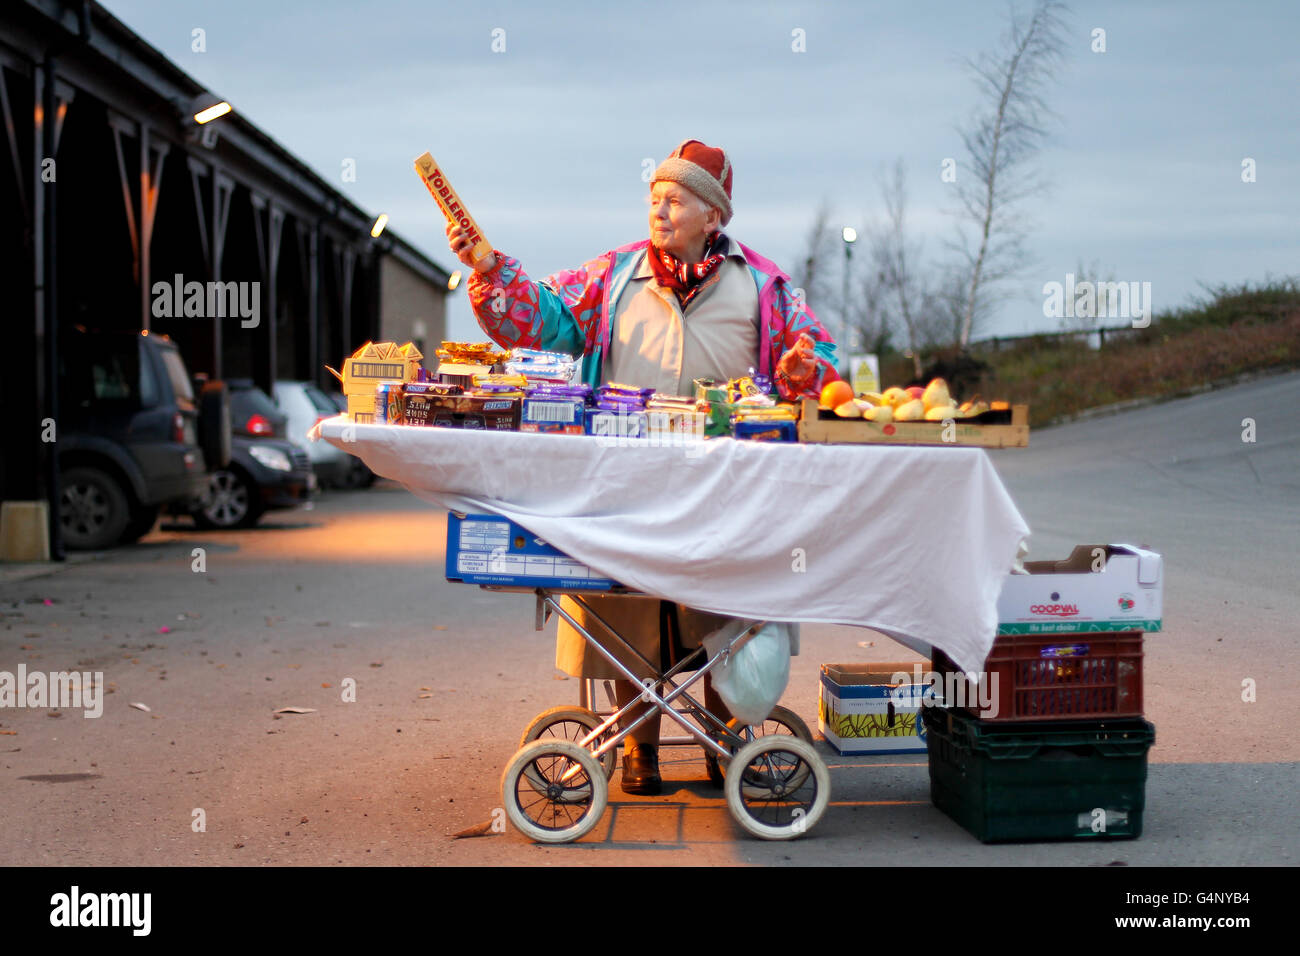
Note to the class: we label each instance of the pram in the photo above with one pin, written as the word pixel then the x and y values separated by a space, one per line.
pixel 556 786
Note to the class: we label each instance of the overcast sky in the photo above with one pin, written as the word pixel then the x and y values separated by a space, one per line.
pixel 546 140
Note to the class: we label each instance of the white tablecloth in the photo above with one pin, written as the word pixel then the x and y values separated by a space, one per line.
pixel 911 541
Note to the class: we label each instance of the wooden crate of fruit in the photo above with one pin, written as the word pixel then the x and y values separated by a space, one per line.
pixel 922 417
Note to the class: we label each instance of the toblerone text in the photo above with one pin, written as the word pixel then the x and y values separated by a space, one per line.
pixel 451 205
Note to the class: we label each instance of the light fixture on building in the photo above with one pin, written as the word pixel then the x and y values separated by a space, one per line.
pixel 378 227
pixel 200 110
pixel 214 111
pixel 453 281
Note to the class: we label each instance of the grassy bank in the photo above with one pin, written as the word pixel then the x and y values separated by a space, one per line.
pixel 1227 333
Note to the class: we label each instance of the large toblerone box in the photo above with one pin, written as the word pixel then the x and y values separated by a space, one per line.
pixel 1113 587
pixel 859 710
pixel 370 365
pixel 490 549
pixel 453 209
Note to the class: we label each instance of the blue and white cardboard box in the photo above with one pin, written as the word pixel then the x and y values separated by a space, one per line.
pixel 859 710
pixel 490 549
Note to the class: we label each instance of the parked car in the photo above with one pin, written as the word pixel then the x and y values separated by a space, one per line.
pixel 132 437
pixel 266 471
pixel 305 405
pixel 362 476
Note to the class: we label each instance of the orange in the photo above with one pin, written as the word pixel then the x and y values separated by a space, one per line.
pixel 836 394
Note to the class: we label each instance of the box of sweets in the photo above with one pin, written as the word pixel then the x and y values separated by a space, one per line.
pixel 555 409
pixel 474 411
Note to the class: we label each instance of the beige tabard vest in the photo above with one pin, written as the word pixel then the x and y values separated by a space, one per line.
pixel 655 344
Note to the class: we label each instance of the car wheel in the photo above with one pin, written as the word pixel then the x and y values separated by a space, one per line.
pixel 93 509
pixel 140 524
pixel 231 501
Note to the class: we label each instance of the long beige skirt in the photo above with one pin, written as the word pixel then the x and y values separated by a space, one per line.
pixel 636 619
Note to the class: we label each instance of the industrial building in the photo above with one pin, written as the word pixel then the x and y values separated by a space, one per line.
pixel 119 210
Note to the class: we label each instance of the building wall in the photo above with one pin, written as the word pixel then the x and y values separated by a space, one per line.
pixel 406 298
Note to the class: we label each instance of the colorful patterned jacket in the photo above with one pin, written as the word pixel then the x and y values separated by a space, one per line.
pixel 570 311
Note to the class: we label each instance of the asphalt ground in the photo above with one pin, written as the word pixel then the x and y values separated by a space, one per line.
pixel 447 676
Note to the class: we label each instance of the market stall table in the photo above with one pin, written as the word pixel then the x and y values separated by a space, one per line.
pixel 912 542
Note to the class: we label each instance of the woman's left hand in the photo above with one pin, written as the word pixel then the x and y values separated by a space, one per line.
pixel 800 363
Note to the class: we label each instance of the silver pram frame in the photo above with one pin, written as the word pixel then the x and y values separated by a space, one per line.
pixel 556 787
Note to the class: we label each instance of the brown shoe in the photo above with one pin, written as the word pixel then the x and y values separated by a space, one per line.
pixel 641 772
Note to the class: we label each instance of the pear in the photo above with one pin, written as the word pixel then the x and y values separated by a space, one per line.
pixel 911 411
pixel 940 412
pixel 848 410
pixel 884 414
pixel 936 394
pixel 894 397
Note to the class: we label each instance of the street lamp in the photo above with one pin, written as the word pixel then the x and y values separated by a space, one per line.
pixel 850 236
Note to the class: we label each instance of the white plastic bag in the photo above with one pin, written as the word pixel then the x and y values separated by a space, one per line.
pixel 751 679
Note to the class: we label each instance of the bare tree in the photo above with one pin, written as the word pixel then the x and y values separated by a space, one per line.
pixel 999 143
pixel 869 312
pixel 814 274
pixel 896 257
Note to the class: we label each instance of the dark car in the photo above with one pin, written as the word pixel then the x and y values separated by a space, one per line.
pixel 131 439
pixel 266 469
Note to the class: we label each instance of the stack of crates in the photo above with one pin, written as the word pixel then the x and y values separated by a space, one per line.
pixel 1051 743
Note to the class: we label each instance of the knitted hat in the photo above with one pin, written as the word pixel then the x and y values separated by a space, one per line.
pixel 704 170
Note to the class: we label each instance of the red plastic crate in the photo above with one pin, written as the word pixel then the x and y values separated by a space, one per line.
pixel 1057 677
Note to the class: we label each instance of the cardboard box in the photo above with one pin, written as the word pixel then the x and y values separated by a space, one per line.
pixel 554 415
pixel 377 362
pixel 1008 429
pixel 860 712
pixel 490 549
pixel 361 408
pixel 609 424
pixel 1115 587
pixel 417 402
pixel 765 431
pixel 371 365
pixel 462 374
pixel 474 411
pixel 672 426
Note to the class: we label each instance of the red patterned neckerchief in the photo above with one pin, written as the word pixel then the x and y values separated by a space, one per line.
pixel 686 280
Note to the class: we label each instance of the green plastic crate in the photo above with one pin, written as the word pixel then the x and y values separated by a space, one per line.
pixel 1083 779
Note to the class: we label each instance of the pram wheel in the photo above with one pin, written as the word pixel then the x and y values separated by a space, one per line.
pixel 572 795
pixel 570 723
pixel 782 721
pixel 777 787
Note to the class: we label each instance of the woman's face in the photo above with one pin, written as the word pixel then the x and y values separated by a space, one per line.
pixel 680 221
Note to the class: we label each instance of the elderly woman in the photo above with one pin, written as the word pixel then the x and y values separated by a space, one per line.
pixel 688 303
